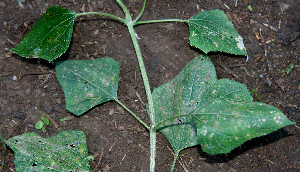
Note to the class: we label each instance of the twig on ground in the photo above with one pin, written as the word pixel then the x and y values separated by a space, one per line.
pixel 270 65
pixel 137 94
pixel 228 70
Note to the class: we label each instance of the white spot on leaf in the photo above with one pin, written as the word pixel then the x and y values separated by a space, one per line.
pixel 240 43
pixel 89 95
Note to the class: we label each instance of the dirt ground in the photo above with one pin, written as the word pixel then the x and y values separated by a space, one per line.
pixel 29 88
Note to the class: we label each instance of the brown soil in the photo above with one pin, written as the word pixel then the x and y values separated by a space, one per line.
pixel 118 142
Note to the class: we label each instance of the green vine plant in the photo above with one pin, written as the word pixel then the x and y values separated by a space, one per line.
pixel 41 124
pixel 195 108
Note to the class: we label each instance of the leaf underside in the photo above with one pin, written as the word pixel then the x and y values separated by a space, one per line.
pixel 50 36
pixel 217 114
pixel 212 31
pixel 87 83
pixel 66 151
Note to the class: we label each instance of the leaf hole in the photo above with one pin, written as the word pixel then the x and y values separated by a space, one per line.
pixel 72 146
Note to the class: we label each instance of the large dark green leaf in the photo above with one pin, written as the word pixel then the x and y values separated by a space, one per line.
pixel 66 151
pixel 50 36
pixel 217 114
pixel 87 83
pixel 212 31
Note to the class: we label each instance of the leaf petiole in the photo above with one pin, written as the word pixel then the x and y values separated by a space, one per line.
pixel 101 14
pixel 136 117
pixel 141 13
pixel 160 21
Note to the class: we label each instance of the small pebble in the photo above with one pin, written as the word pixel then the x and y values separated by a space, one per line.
pixel 14 77
pixel 28 91
pixel 111 111
pixel 121 128
pixel 129 141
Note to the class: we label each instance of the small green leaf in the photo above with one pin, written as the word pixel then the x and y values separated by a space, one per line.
pixel 39 125
pixel 45 120
pixel 44 128
pixel 66 151
pixel 250 8
pixel 87 83
pixel 50 36
pixel 62 120
pixel 212 31
pixel 197 108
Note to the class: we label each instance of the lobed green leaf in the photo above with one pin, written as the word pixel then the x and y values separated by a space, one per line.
pixel 197 108
pixel 66 151
pixel 50 36
pixel 87 83
pixel 212 31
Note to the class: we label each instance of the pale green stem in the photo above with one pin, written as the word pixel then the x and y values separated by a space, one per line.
pixel 160 21
pixel 174 160
pixel 125 10
pixel 141 13
pixel 101 14
pixel 130 24
pixel 148 93
pixel 136 117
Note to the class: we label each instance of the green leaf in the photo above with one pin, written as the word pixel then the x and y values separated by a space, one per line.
pixel 44 128
pixel 212 31
pixel 39 125
pixel 217 114
pixel 66 151
pixel 45 120
pixel 50 36
pixel 87 83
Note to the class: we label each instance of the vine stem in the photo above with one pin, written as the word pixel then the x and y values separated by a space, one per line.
pixel 130 24
pixel 148 93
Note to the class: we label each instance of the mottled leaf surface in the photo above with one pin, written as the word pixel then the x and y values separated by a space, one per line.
pixel 217 114
pixel 212 31
pixel 66 151
pixel 50 36
pixel 87 83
